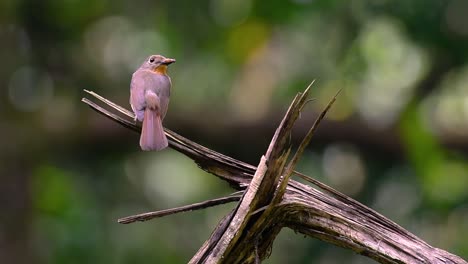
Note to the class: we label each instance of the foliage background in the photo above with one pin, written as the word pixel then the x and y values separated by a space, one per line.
pixel 396 140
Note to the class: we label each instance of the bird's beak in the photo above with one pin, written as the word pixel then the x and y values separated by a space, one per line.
pixel 168 61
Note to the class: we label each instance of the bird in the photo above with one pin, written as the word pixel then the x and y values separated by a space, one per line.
pixel 150 89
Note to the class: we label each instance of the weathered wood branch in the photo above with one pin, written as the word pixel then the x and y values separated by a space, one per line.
pixel 192 207
pixel 271 202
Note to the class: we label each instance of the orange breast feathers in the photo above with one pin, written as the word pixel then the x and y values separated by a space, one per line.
pixel 161 69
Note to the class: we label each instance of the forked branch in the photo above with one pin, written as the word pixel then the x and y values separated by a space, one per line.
pixel 271 201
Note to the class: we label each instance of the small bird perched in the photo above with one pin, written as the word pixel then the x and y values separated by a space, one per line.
pixel 150 89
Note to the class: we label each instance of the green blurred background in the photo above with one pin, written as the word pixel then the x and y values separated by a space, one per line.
pixel 396 140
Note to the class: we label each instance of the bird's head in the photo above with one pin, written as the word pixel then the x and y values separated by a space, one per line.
pixel 157 63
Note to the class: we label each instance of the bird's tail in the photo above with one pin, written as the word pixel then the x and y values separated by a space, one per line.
pixel 152 132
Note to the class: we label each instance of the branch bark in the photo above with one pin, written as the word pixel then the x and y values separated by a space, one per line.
pixel 271 201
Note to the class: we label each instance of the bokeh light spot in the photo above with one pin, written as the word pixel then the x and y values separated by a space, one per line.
pixel 173 184
pixel 119 47
pixel 446 108
pixel 344 168
pixel 394 66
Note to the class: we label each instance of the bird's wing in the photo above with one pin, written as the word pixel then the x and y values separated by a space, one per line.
pixel 137 90
pixel 164 92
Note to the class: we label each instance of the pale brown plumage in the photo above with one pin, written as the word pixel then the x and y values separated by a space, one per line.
pixel 150 89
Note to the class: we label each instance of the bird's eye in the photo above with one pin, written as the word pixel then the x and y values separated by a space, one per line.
pixel 151 60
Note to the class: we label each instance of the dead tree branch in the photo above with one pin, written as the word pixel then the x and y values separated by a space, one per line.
pixel 271 201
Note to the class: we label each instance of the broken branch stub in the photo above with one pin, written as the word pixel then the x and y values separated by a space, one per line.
pixel 240 239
